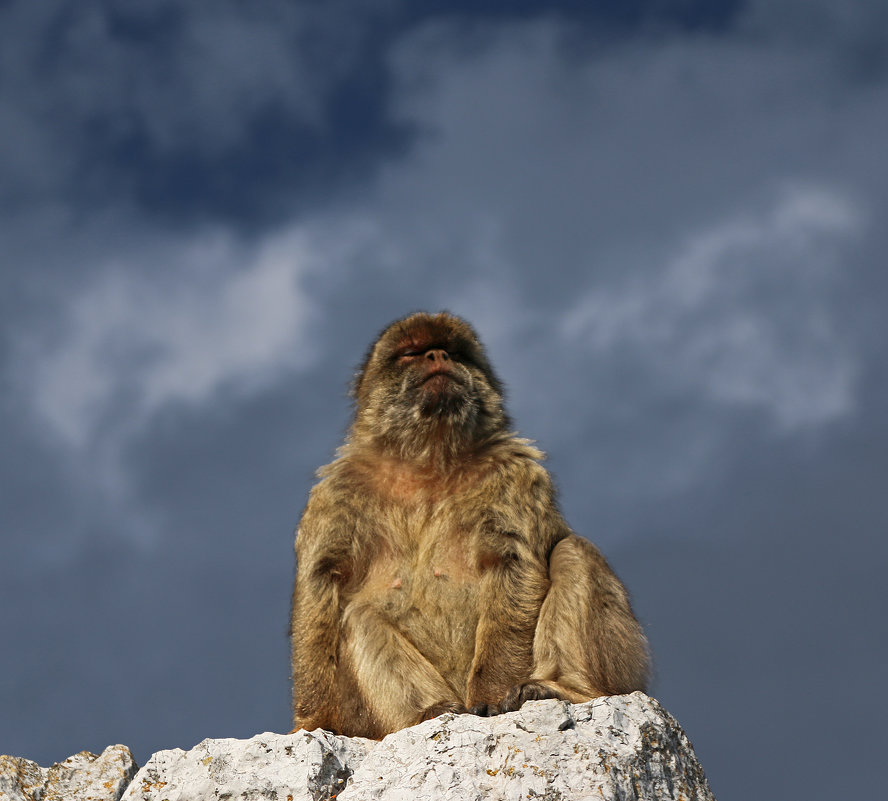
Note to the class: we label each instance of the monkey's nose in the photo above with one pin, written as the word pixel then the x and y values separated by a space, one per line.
pixel 437 354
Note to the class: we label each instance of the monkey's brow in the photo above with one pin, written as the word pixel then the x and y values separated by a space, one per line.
pixel 424 343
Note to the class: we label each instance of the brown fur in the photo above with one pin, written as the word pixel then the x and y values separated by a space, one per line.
pixel 435 572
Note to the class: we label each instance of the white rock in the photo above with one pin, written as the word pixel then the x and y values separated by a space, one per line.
pixel 283 767
pixel 618 747
pixel 82 777
pixel 612 749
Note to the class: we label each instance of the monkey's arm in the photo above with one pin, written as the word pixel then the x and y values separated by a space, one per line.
pixel 314 633
pixel 399 685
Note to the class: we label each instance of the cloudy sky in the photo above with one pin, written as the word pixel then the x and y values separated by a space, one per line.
pixel 667 221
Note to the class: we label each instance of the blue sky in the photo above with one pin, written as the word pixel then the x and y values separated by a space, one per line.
pixel 667 221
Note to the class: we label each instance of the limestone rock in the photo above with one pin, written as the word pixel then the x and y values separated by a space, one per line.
pixel 82 777
pixel 284 767
pixel 620 747
pixel 614 749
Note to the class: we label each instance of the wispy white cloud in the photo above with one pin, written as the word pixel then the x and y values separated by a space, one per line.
pixel 741 312
pixel 229 317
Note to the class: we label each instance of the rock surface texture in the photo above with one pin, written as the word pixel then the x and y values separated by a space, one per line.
pixel 82 777
pixel 620 748
pixel 285 767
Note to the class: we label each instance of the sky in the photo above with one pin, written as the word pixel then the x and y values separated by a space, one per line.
pixel 667 222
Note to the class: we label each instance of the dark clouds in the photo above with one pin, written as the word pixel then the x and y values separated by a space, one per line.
pixel 201 111
pixel 213 110
pixel 667 227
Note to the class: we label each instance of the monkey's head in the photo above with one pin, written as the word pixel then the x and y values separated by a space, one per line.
pixel 426 389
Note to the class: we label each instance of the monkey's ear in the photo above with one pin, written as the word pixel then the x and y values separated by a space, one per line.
pixel 354 386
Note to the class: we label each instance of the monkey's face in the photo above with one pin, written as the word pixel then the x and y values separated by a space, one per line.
pixel 429 370
pixel 434 375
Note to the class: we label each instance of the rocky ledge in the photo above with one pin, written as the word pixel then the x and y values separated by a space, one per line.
pixel 620 747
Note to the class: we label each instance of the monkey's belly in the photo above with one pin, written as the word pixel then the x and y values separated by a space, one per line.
pixel 438 614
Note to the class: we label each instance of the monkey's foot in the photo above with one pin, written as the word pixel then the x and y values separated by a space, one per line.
pixel 439 709
pixel 526 691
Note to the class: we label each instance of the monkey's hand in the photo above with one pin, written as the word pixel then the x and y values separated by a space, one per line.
pixel 440 708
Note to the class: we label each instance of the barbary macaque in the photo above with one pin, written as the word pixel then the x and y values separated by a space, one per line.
pixel 435 571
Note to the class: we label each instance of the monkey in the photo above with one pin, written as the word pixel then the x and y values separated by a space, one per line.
pixel 435 572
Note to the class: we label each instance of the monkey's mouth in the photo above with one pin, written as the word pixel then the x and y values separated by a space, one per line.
pixel 440 371
pixel 441 381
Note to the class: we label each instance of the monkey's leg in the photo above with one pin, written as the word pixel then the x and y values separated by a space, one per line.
pixel 587 641
pixel 399 685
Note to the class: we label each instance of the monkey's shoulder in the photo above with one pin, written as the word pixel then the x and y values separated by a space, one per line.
pixel 333 512
pixel 517 478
